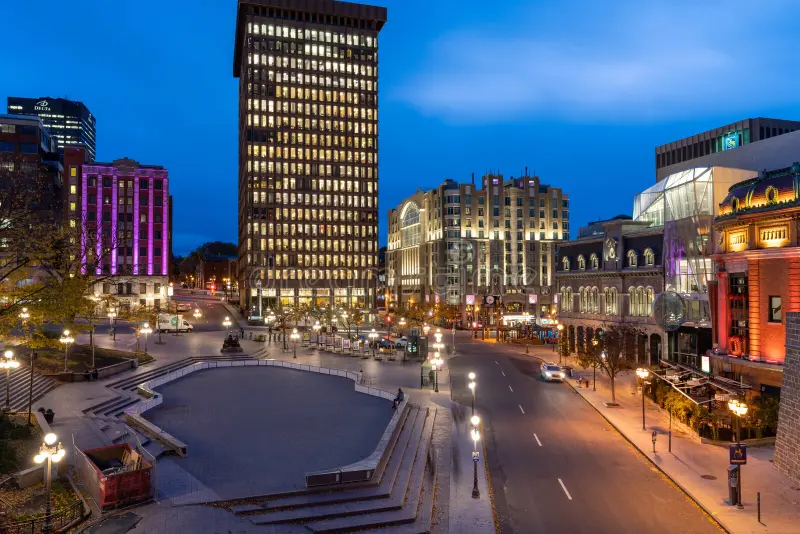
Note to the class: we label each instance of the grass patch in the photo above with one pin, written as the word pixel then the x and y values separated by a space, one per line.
pixel 80 358
pixel 18 442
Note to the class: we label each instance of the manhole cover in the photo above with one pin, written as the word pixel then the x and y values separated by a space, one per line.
pixel 708 477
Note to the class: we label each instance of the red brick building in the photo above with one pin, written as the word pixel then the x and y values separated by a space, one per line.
pixel 758 277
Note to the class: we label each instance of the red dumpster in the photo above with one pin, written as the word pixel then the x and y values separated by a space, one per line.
pixel 120 476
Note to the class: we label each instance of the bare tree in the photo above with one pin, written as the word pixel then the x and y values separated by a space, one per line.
pixel 608 354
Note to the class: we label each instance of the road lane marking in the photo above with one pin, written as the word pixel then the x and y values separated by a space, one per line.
pixel 537 439
pixel 495 361
pixel 503 373
pixel 565 489
pixel 512 391
pixel 520 409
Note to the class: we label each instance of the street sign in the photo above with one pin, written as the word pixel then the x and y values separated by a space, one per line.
pixel 476 456
pixel 738 454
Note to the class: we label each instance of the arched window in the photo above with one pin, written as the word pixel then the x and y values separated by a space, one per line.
pixel 650 295
pixel 613 296
pixel 570 297
pixel 565 263
pixel 594 262
pixel 632 300
pixel 640 301
pixel 582 302
pixel 595 300
pixel 581 263
pixel 606 300
pixel 649 257
pixel 632 262
pixel 410 227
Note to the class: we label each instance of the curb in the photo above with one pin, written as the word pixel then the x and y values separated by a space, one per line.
pixel 686 492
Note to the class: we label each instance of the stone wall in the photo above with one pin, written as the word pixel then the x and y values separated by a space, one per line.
pixel 787 444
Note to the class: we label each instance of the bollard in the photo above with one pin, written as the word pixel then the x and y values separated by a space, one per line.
pixel 758 502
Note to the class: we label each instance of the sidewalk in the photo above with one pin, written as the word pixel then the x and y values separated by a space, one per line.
pixel 699 470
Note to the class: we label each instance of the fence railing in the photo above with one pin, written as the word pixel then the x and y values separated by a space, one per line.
pixel 58 519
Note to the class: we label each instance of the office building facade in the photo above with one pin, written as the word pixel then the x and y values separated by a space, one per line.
pixel 69 122
pixel 308 152
pixel 681 155
pixel 457 244
pixel 121 213
pixel 28 150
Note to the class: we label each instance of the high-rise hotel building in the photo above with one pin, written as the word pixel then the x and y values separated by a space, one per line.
pixel 308 152
pixel 458 244
pixel 69 122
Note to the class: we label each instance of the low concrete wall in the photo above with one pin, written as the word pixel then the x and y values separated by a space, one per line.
pixel 102 372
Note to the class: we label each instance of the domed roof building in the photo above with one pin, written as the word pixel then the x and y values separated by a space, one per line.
pixel 758 275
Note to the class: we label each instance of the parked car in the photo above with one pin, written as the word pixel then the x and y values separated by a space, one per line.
pixel 401 343
pixel 551 371
pixel 184 306
pixel 384 345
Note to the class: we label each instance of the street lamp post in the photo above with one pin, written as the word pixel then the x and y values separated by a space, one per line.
pixel 112 314
pixel 739 409
pixel 642 373
pixel 8 363
pixel 471 386
pixel 67 340
pixel 595 342
pixel 316 329
pixel 559 329
pixel 476 435
pixel 402 325
pixel 24 316
pixel 146 330
pixel 227 323
pixel 437 363
pixel 294 337
pixel 51 452
pixel 373 336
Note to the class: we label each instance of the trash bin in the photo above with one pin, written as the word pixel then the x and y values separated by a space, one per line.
pixel 733 484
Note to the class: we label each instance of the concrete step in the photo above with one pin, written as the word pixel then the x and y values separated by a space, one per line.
pixel 146 375
pixel 424 520
pixel 388 498
pixel 132 382
pixel 379 487
pixel 100 405
pixel 19 402
pixel 380 519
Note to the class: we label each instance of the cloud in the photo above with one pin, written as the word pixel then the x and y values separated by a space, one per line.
pixel 636 61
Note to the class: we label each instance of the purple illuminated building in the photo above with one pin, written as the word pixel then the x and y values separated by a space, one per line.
pixel 122 211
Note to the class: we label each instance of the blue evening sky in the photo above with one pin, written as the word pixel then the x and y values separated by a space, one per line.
pixel 580 91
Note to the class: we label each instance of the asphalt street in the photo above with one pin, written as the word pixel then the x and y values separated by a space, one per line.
pixel 555 464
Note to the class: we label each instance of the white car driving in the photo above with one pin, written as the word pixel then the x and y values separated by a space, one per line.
pixel 551 371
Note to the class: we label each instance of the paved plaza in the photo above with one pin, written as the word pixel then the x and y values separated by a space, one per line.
pixel 259 430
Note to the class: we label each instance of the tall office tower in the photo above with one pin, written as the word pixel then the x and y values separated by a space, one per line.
pixel 308 152
pixel 69 122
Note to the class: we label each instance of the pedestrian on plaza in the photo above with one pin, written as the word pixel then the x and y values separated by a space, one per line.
pixel 95 374
pixel 398 399
pixel 251 334
pixel 86 376
pixel 242 331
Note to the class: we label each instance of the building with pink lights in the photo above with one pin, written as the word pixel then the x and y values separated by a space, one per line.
pixel 121 211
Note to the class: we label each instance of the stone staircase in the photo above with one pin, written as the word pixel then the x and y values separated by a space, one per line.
pixel 20 386
pixel 106 415
pixel 398 499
